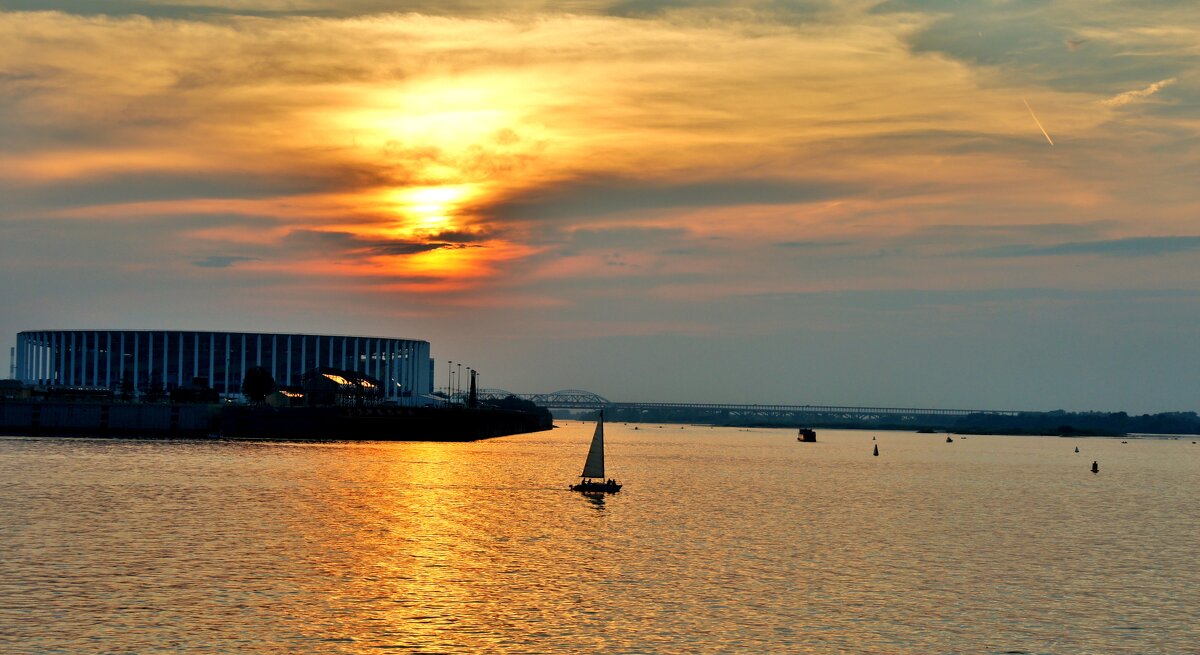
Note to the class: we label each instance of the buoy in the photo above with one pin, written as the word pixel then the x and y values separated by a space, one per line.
pixel 876 453
pixel 1095 467
pixel 1076 448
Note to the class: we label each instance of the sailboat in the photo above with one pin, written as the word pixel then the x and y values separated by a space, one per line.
pixel 593 468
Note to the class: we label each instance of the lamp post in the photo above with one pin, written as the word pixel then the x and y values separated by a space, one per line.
pixel 449 369
pixel 458 380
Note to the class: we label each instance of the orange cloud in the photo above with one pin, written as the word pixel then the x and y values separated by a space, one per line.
pixel 409 127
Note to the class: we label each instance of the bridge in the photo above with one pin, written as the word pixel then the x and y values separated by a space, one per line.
pixel 578 399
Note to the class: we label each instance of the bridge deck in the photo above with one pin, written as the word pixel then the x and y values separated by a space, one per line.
pixel 575 399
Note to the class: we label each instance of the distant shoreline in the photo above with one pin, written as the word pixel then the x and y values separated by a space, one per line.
pixel 1056 423
pixel 1028 433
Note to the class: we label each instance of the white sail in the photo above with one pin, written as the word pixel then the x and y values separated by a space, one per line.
pixel 594 466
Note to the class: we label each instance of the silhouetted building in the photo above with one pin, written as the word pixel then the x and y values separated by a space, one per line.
pixel 14 390
pixel 195 391
pixel 75 394
pixel 151 363
pixel 331 386
pixel 286 398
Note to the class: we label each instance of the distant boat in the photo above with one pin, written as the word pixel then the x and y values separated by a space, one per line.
pixel 876 453
pixel 806 435
pixel 949 440
pixel 593 467
pixel 1095 467
pixel 1076 448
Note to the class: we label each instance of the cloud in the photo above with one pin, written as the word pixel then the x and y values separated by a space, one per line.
pixel 1131 247
pixel 461 236
pixel 150 187
pixel 357 145
pixel 812 245
pixel 615 259
pixel 1138 94
pixel 278 8
pixel 222 261
pixel 401 248
pixel 626 236
pixel 605 196
pixel 348 244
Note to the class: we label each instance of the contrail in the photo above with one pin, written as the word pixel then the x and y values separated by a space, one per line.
pixel 1039 123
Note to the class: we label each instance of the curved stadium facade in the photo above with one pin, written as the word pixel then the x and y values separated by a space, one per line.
pixel 166 359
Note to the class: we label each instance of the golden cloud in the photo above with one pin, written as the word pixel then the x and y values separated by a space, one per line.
pixel 407 126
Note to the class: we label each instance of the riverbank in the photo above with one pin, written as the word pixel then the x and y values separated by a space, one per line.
pixel 193 421
pixel 379 423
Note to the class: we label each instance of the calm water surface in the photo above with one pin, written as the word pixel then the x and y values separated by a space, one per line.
pixel 723 541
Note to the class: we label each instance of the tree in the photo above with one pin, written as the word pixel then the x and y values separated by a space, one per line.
pixel 153 391
pixel 126 386
pixel 258 384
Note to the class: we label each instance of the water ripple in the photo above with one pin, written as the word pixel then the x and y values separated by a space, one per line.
pixel 723 541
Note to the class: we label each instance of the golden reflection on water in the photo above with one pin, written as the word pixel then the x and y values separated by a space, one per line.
pixel 723 540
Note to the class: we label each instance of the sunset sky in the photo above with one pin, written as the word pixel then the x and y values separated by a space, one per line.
pixel 979 204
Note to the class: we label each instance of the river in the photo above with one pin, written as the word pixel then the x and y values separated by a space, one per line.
pixel 724 540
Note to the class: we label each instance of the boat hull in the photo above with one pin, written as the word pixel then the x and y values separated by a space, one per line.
pixel 596 487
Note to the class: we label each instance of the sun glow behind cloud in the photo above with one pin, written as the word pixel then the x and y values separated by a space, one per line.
pixel 407 126
pixel 428 210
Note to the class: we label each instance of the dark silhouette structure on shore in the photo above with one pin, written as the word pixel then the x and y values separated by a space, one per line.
pixel 148 364
pixel 332 404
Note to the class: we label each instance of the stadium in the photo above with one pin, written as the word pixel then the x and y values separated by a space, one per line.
pixel 150 361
